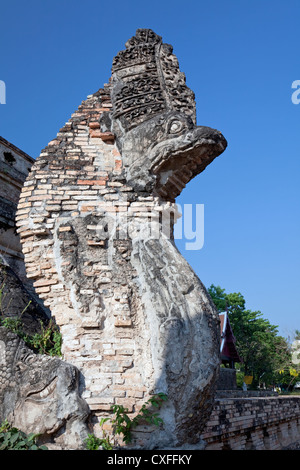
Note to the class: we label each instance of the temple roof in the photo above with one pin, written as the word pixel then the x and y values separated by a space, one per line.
pixel 16 149
pixel 227 347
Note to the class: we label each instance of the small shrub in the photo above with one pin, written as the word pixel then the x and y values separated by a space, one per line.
pixel 47 341
pixel 93 442
pixel 123 424
pixel 13 439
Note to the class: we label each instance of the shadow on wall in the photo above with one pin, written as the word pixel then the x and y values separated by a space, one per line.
pixel 17 302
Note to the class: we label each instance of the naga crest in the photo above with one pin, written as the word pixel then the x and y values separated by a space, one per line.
pixel 154 118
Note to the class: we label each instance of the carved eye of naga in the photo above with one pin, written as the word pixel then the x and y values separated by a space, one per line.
pixel 175 127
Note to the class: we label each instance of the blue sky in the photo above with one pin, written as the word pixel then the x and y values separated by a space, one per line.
pixel 240 58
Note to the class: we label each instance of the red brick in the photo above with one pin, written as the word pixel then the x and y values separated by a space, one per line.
pixel 100 182
pixel 105 136
pixel 118 164
pixel 45 282
pixel 94 125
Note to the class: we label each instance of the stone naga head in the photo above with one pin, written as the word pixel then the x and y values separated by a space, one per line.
pixel 154 119
pixel 39 394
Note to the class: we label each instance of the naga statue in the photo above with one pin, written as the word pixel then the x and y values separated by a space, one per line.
pixel 96 219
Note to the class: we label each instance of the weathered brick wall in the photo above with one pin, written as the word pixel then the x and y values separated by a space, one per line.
pixel 270 423
pixel 77 179
pixel 71 179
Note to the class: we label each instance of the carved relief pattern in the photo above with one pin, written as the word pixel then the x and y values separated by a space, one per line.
pixel 141 54
pixel 147 81
pixel 181 97
pixel 139 97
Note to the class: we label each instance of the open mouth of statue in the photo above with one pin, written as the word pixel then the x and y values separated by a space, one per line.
pixel 43 394
pixel 176 165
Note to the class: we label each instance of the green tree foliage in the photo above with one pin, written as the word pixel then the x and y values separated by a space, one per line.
pixel 264 353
